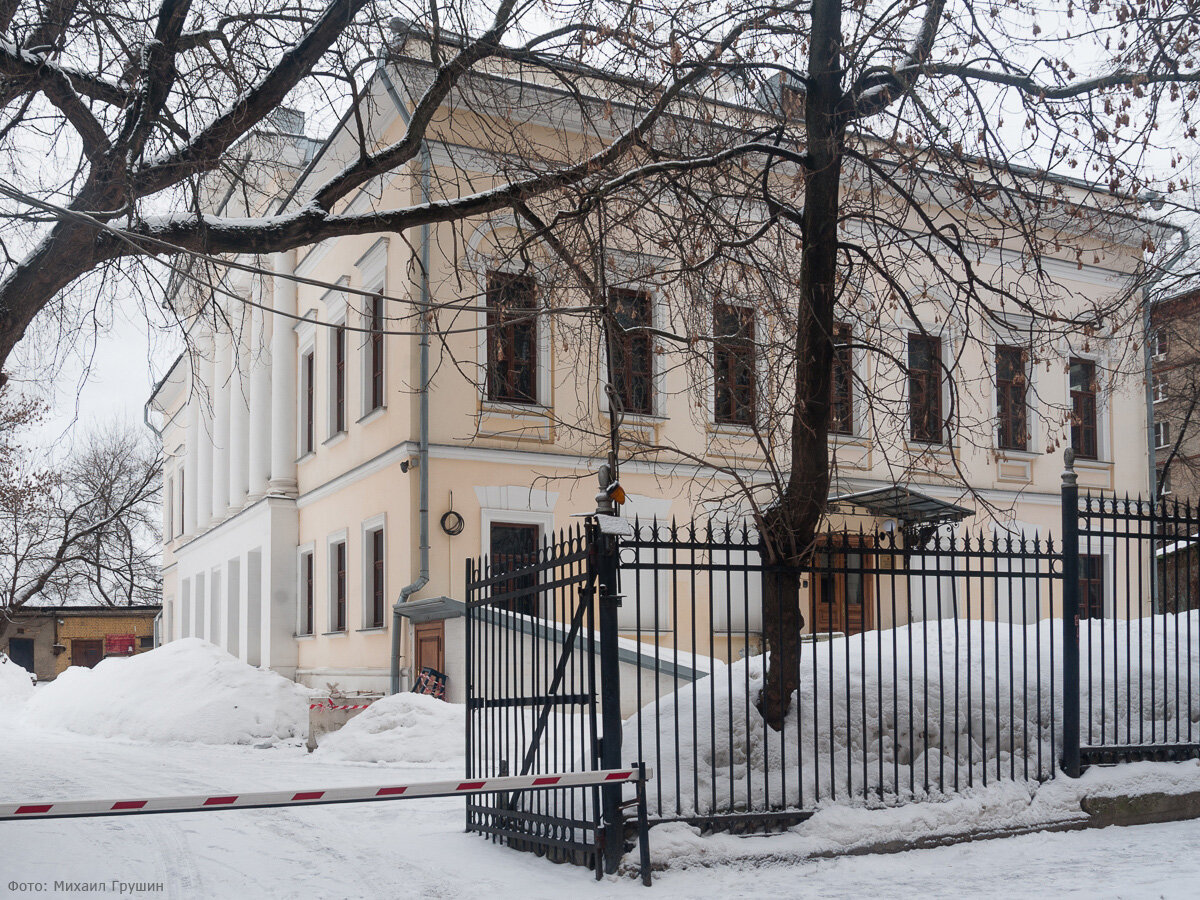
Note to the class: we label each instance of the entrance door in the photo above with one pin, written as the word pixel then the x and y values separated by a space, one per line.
pixel 430 641
pixel 20 651
pixel 843 594
pixel 514 545
pixel 86 653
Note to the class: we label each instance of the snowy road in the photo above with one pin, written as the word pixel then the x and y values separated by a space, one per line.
pixel 417 848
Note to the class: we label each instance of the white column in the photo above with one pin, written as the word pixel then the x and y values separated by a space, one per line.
pixel 283 379
pixel 239 414
pixel 204 437
pixel 220 477
pixel 191 459
pixel 260 394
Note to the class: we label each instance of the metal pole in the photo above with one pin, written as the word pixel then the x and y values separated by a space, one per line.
pixel 643 825
pixel 610 692
pixel 1070 631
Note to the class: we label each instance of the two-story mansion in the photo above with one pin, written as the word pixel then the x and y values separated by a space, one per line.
pixel 331 454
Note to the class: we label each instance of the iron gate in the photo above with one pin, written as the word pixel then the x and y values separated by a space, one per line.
pixel 532 705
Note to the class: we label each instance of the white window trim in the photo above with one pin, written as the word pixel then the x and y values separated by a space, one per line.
pixel 1158 384
pixel 1103 412
pixel 331 541
pixel 335 314
pixel 169 505
pixel 309 549
pixel 761 371
pixel 306 338
pixel 372 268
pixel 369 526
pixel 1162 435
pixel 543 386
pixel 1032 425
pixel 858 386
pixel 1105 548
pixel 948 337
pixel 659 317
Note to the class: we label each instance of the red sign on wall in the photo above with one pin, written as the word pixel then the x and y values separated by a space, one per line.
pixel 119 644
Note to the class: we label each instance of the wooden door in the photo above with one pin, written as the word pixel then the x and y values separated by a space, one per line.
pixel 429 639
pixel 86 653
pixel 842 593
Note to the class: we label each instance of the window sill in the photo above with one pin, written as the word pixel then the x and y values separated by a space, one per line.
pixel 730 429
pixel 635 418
pixel 849 440
pixel 512 407
pixel 1010 453
pixel 305 457
pixel 303 637
pixel 333 634
pixel 334 439
pixel 374 629
pixel 369 417
pixel 1081 463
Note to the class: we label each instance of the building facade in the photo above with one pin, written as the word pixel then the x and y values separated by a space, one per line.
pixel 46 640
pixel 330 456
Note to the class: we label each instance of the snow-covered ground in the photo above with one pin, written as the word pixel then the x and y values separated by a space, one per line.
pixel 417 848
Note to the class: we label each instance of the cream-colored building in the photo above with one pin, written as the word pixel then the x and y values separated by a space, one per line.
pixel 306 464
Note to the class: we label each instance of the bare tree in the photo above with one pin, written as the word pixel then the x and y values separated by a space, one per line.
pixel 85 530
pixel 805 156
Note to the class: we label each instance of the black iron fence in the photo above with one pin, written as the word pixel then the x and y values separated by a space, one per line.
pixel 932 660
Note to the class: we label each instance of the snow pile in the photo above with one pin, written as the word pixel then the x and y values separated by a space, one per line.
pixel 187 690
pixel 929 709
pixel 15 685
pixel 414 729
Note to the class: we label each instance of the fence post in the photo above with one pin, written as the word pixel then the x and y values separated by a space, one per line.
pixel 607 549
pixel 1070 631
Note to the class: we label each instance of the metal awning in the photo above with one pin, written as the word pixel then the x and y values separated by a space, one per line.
pixel 902 502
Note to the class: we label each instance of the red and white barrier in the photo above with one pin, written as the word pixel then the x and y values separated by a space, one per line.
pixel 60 809
pixel 331 706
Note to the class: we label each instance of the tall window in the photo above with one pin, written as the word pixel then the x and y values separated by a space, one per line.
pixel 169 507
pixel 1159 384
pixel 339 379
pixel 632 353
pixel 306 593
pixel 1158 343
pixel 842 385
pixel 308 367
pixel 182 500
pixel 1083 409
pixel 338 612
pixel 1162 435
pixel 512 339
pixel 1011 404
pixel 1091 586
pixel 735 385
pixel 375 540
pixel 376 354
pixel 925 389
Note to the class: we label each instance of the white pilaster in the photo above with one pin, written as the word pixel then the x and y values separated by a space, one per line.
pixel 260 396
pixel 239 414
pixel 204 398
pixel 193 437
pixel 220 478
pixel 283 379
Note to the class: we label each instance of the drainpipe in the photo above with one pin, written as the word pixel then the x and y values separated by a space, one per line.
pixel 422 400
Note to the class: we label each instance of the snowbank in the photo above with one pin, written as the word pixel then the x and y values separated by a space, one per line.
pixel 187 690
pixel 15 686
pixel 413 729
pixel 952 704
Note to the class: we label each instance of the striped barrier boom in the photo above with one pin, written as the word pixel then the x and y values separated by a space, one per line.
pixel 331 706
pixel 63 809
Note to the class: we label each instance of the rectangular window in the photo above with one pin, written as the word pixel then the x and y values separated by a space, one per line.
pixel 339 379
pixel 308 367
pixel 1083 409
pixel 1162 480
pixel 1162 435
pixel 338 564
pixel 511 339
pixel 841 420
pixel 1158 343
pixel 306 593
pixel 1091 586
pixel 182 495
pixel 376 353
pixel 735 385
pixel 631 354
pixel 1011 405
pixel 1159 383
pixel 375 574
pixel 514 546
pixel 169 507
pixel 925 389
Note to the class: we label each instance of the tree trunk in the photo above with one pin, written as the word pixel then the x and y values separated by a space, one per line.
pixel 790 527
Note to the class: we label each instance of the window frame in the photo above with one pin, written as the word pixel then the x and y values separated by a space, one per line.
pixel 306 591
pixel 843 365
pixel 1012 401
pixel 372 267
pixel 1162 435
pixel 734 356
pixel 338 578
pixel 1080 429
pixel 498 331
pixel 371 592
pixel 936 390
pixel 623 344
